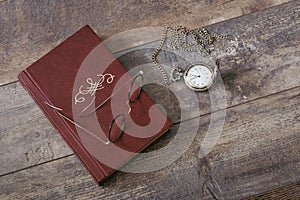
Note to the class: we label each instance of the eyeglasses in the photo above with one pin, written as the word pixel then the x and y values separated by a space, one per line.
pixel 130 100
pixel 121 115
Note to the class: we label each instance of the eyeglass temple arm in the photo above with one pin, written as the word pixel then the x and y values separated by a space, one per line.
pixel 108 98
pixel 57 109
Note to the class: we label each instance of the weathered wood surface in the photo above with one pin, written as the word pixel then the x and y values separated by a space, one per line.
pixel 250 66
pixel 262 59
pixel 29 29
pixel 257 151
pixel 27 135
pixel 287 192
pixel 235 75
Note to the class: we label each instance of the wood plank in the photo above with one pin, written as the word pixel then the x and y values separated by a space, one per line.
pixel 32 28
pixel 262 59
pixel 26 135
pixel 287 192
pixel 237 74
pixel 258 151
pixel 289 70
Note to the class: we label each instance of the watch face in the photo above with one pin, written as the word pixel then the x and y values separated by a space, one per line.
pixel 198 77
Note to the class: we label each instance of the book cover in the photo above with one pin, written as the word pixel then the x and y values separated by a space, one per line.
pixel 85 91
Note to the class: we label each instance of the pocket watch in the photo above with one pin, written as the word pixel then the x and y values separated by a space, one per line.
pixel 199 77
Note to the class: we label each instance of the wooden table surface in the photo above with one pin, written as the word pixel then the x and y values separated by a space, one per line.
pixel 257 155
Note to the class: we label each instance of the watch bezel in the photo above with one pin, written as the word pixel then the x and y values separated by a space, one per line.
pixel 199 88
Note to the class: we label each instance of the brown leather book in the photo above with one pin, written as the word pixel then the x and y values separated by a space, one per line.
pixel 73 79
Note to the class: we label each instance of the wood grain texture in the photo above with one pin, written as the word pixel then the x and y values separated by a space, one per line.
pixel 288 192
pixel 262 58
pixel 27 137
pixel 258 151
pixel 32 28
pixel 254 155
pixel 239 68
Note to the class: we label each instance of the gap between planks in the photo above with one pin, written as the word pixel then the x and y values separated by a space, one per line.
pixel 246 7
pixel 190 119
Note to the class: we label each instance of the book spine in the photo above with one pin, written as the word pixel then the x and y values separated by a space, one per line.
pixel 63 127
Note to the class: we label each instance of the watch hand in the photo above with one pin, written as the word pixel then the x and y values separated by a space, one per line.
pixel 198 76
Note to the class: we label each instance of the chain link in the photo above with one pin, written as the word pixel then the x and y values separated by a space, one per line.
pixel 179 41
